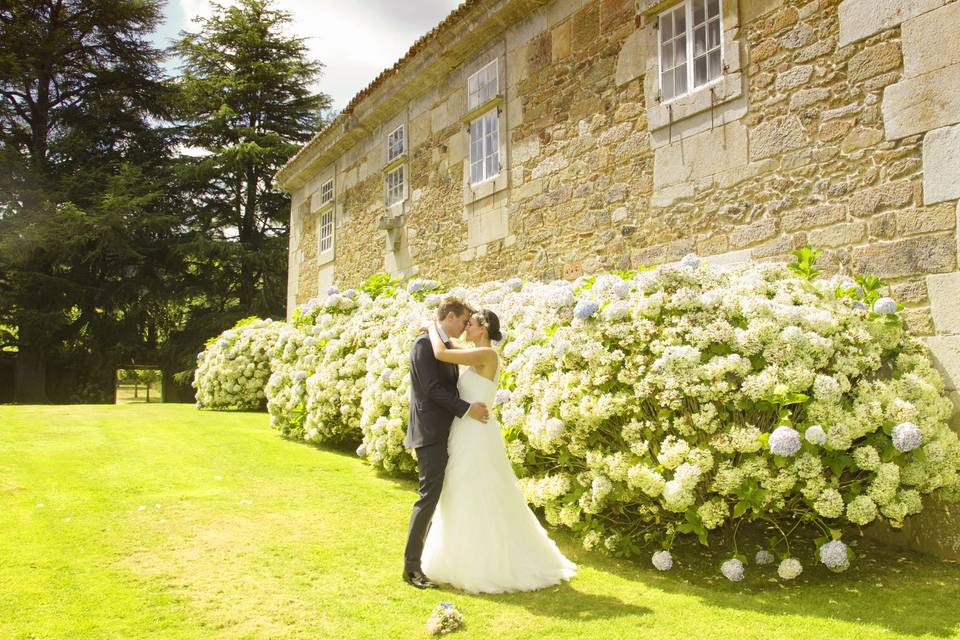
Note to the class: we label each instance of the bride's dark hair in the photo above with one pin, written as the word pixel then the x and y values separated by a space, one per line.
pixel 488 319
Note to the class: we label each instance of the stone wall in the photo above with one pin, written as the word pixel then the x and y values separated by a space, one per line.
pixel 835 124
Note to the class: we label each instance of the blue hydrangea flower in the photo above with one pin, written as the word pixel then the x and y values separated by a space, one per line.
pixel 906 437
pixel 419 284
pixel 816 435
pixel 854 287
pixel 732 570
pixel 386 373
pixel 351 293
pixel 201 356
pixel 585 309
pixel 662 560
pixel 859 306
pixel 784 441
pixel 690 260
pixel 763 557
pixel 362 451
pixel 332 290
pixel 515 284
pixel 223 344
pixel 834 556
pixel 886 306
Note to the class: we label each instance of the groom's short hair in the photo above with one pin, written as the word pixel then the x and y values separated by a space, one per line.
pixel 454 305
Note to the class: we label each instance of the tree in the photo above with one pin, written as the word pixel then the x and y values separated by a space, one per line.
pixel 83 220
pixel 245 102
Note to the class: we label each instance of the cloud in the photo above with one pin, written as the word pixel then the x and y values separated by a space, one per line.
pixel 355 40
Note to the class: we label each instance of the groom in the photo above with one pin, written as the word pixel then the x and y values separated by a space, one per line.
pixel 434 402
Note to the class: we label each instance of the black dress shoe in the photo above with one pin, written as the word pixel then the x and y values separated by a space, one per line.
pixel 417 579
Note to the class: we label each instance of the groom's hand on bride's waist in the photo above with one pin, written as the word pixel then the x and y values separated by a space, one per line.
pixel 478 411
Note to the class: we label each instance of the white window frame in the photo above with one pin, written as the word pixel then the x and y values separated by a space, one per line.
pixel 326 192
pixel 396 146
pixel 394 194
pixel 489 146
pixel 325 233
pixel 689 59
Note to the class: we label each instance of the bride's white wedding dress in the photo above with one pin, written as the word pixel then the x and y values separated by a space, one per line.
pixel 483 537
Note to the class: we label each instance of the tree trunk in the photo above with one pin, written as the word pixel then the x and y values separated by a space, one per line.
pixel 30 377
pixel 247 239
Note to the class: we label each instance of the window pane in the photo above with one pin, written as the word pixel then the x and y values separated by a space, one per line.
pixel 666 85
pixel 698 13
pixel 714 65
pixel 493 148
pixel 666 56
pixel 699 71
pixel 699 41
pixel 713 34
pixel 713 8
pixel 680 75
pixel 680 20
pixel 666 27
pixel 680 51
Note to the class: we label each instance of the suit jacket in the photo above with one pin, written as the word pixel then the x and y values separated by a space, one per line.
pixel 434 401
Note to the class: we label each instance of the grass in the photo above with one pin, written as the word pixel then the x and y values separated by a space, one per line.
pixel 159 521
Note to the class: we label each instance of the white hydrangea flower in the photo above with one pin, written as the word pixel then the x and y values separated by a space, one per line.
pixel 691 261
pixel 815 435
pixel 906 437
pixel 732 570
pixel 784 441
pixel 789 568
pixel 834 556
pixel 662 560
pixel 861 510
pixel 763 557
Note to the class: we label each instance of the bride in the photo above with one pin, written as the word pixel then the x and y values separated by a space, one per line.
pixel 483 537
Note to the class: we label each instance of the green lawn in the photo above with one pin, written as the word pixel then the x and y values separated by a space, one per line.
pixel 159 521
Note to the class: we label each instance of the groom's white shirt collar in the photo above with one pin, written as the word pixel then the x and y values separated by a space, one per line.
pixel 443 335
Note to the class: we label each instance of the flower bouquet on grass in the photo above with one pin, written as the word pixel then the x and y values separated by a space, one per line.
pixel 444 619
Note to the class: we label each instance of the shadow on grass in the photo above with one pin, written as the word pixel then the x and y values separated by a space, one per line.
pixel 899 590
pixel 564 601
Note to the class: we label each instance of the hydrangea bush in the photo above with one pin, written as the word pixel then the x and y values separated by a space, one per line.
pixel 640 406
pixel 233 369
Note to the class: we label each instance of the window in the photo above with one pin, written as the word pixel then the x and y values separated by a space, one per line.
pixel 325 234
pixel 483 86
pixel 689 32
pixel 326 230
pixel 395 186
pixel 485 147
pixel 395 144
pixel 326 193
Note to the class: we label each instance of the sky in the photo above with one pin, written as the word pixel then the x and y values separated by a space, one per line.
pixel 355 39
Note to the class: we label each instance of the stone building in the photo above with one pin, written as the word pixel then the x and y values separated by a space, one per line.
pixel 550 138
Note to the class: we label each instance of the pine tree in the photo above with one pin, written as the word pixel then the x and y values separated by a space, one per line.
pixel 246 105
pixel 83 228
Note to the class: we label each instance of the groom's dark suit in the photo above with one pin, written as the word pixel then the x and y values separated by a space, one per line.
pixel 434 403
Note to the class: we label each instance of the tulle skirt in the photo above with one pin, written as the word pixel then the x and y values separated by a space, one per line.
pixel 483 537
